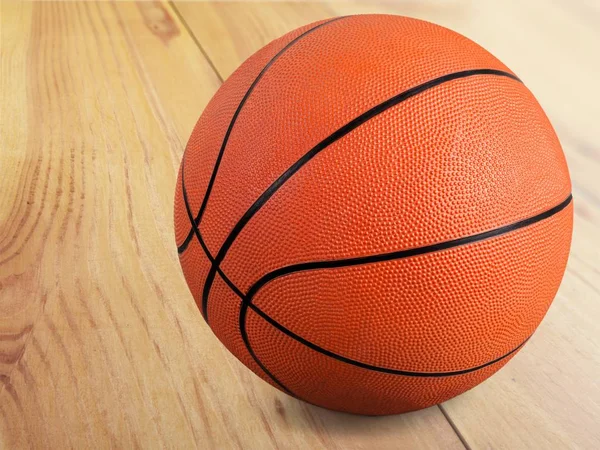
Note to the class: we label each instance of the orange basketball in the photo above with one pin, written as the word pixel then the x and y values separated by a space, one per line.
pixel 373 214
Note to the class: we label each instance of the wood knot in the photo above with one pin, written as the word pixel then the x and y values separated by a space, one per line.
pixel 158 20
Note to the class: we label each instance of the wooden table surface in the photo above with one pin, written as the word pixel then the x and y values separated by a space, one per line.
pixel 101 344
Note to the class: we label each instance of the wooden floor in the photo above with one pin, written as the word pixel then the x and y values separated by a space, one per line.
pixel 101 344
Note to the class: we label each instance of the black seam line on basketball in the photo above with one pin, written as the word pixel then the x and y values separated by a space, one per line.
pixel 369 366
pixel 246 341
pixel 213 176
pixel 338 134
pixel 401 254
pixel 247 300
pixel 196 230
pixel 246 303
pixel 229 283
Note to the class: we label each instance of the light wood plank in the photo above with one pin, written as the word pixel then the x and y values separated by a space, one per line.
pixel 101 344
pixel 549 396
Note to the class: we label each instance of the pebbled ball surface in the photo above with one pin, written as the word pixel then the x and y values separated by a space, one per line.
pixel 458 158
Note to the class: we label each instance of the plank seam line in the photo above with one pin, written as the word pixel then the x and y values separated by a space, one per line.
pixel 454 427
pixel 196 41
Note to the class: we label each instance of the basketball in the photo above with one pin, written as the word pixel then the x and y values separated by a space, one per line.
pixel 373 214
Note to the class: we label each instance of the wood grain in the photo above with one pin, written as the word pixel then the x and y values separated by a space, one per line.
pixel 101 344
